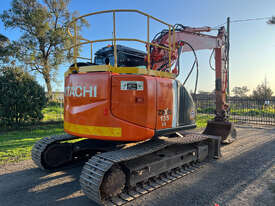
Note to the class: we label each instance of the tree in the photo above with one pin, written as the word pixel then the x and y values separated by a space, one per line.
pixel 262 92
pixel 240 91
pixel 3 39
pixel 44 38
pixel 22 98
pixel 4 49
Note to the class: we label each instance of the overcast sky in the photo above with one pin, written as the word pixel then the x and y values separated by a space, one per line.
pixel 252 49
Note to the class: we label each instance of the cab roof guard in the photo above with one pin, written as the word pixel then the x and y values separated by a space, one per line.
pixel 83 41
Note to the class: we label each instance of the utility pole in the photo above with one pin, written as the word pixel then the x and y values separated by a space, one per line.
pixel 227 52
pixel 265 88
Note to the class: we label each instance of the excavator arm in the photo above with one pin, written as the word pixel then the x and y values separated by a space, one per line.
pixel 191 39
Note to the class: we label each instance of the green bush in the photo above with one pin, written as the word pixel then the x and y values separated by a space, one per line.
pixel 270 112
pixel 22 98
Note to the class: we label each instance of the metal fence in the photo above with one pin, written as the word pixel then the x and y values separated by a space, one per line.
pixel 242 110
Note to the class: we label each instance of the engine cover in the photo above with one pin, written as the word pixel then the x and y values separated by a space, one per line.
pixel 124 107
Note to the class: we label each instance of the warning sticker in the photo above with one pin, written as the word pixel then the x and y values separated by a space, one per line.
pixel 131 85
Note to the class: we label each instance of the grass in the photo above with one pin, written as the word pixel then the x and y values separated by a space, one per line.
pixel 53 113
pixel 16 145
pixel 202 119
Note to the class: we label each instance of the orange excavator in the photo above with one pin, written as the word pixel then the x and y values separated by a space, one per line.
pixel 126 112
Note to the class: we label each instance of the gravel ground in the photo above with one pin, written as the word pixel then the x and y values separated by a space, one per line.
pixel 244 176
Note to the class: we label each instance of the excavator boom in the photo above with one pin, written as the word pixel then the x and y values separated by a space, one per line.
pixel 191 39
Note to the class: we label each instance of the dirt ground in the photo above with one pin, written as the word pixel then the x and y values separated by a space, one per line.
pixel 244 176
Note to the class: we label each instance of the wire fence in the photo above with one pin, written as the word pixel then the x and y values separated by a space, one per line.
pixel 242 110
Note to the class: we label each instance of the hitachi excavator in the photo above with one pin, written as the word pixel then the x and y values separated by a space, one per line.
pixel 126 113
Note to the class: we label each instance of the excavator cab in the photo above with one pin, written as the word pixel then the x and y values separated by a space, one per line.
pixel 126 56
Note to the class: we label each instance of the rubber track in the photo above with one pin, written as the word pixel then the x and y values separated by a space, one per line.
pixel 94 170
pixel 42 144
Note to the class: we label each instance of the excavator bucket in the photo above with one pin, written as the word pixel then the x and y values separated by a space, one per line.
pixel 221 128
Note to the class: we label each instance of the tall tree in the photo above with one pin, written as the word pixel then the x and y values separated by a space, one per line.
pixel 240 91
pixel 44 38
pixel 262 91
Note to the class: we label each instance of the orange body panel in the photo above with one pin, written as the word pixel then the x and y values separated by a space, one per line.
pixel 164 103
pixel 135 106
pixel 108 106
pixel 90 115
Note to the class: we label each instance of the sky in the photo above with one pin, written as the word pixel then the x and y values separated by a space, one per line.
pixel 252 43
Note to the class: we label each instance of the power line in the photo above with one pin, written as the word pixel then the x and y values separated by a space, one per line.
pixel 243 20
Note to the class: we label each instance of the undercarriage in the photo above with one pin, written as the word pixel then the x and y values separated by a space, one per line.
pixel 119 172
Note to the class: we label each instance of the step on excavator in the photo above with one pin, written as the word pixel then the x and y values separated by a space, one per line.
pixel 129 116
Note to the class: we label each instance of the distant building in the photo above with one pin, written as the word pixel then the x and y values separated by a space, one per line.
pixel 57 96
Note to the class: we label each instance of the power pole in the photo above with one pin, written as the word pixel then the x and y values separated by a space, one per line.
pixel 265 88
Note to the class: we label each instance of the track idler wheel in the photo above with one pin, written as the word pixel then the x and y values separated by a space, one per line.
pixel 56 155
pixel 113 182
pixel 221 128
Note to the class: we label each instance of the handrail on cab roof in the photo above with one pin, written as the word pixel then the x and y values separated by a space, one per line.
pixel 83 41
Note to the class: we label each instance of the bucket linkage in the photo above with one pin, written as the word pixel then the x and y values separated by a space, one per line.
pixel 221 126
